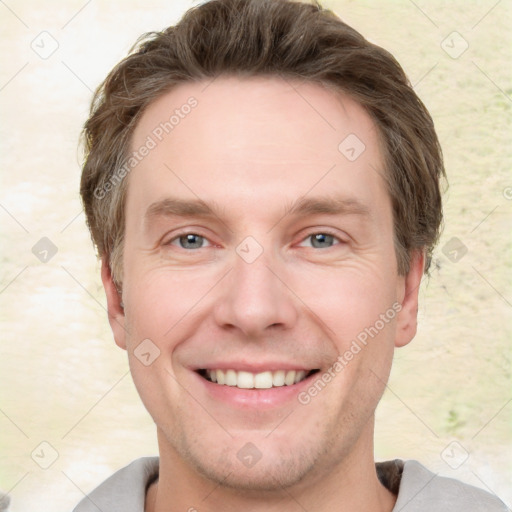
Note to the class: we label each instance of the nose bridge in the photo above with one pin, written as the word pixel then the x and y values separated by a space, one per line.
pixel 253 280
pixel 254 298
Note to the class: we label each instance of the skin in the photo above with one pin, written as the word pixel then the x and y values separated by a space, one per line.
pixel 252 147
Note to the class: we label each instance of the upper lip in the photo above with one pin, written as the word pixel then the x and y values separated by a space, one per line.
pixel 272 366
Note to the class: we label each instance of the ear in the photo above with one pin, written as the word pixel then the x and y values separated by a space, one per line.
pixel 115 309
pixel 408 290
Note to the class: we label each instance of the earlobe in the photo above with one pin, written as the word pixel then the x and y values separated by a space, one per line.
pixel 115 308
pixel 407 320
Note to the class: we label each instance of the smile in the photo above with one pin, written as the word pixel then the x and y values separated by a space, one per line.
pixel 262 380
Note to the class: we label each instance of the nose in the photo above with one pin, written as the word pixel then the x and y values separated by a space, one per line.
pixel 255 298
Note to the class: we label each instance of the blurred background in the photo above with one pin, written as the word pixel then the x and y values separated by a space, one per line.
pixel 69 413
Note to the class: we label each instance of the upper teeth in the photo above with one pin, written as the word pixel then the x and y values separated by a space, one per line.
pixel 263 380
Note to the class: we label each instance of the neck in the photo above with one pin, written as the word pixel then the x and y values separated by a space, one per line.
pixel 349 485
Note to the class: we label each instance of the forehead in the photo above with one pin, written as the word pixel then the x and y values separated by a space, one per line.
pixel 241 137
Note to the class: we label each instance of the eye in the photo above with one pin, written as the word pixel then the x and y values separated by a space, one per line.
pixel 320 241
pixel 189 241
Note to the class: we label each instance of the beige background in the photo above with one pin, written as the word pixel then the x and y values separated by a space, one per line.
pixel 64 382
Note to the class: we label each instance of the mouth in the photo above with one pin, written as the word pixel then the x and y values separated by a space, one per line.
pixel 262 380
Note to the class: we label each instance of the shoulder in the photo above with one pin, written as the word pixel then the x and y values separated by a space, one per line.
pixel 124 491
pixel 422 491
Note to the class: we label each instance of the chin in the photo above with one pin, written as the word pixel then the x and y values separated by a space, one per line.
pixel 252 464
pixel 268 476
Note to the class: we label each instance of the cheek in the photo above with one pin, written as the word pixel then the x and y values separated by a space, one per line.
pixel 154 330
pixel 348 299
pixel 160 300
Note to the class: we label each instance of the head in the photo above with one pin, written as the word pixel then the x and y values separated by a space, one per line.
pixel 262 185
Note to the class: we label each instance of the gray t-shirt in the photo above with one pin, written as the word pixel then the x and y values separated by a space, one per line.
pixel 418 490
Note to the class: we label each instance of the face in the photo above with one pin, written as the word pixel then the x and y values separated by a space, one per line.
pixel 258 253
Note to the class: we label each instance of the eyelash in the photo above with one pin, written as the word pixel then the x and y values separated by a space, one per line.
pixel 184 234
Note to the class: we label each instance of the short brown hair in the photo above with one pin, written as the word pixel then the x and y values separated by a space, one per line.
pixel 248 38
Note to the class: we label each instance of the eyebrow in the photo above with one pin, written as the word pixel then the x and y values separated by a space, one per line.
pixel 179 207
pixel 299 208
pixel 328 205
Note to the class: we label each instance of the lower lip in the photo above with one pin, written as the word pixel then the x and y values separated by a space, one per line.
pixel 255 398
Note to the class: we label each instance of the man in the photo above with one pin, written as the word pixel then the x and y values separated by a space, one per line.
pixel 262 185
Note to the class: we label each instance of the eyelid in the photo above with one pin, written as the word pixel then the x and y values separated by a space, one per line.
pixel 185 232
pixel 303 238
pixel 323 231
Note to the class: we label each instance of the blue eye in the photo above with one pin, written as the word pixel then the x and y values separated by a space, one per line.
pixel 194 241
pixel 320 240
pixel 190 241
